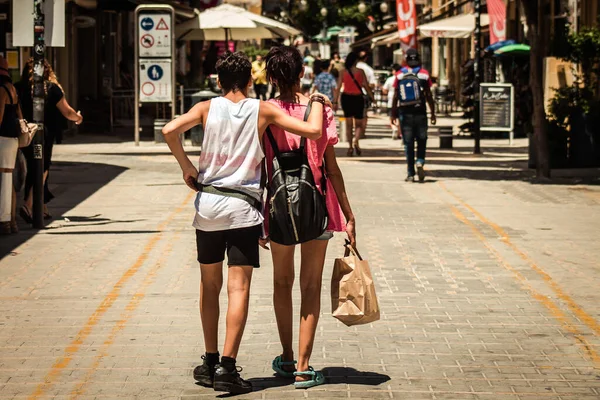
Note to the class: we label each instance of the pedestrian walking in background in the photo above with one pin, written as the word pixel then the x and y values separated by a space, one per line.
pixel 56 109
pixel 363 57
pixel 413 90
pixel 336 66
pixel 388 89
pixel 259 77
pixel 228 205
pixel 284 67
pixel 307 78
pixel 324 82
pixel 10 113
pixel 352 82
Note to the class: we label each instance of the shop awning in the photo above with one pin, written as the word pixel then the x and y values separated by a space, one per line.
pixel 391 38
pixel 457 27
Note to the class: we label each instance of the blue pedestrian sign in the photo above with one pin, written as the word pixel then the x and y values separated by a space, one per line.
pixel 155 72
pixel 147 24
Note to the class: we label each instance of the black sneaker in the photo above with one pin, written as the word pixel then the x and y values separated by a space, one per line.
pixel 420 171
pixel 410 178
pixel 230 381
pixel 205 374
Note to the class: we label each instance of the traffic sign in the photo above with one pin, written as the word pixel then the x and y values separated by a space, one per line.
pixel 155 33
pixel 155 72
pixel 147 24
pixel 155 81
pixel 147 41
pixel 162 25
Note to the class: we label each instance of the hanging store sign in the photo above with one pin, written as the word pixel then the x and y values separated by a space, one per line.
pixel 407 23
pixel 497 15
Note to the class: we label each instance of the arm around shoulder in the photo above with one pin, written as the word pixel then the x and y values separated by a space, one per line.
pixel 311 129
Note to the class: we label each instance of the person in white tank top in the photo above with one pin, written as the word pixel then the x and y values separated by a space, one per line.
pixel 229 175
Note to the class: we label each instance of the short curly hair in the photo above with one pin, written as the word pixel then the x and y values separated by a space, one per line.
pixel 234 70
pixel 284 66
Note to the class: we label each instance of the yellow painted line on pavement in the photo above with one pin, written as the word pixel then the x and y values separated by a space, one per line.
pixel 548 303
pixel 575 308
pixel 62 362
pixel 133 304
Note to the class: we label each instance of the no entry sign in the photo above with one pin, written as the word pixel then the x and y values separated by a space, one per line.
pixel 154 31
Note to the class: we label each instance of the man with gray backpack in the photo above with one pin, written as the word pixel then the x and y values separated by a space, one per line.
pixel 412 91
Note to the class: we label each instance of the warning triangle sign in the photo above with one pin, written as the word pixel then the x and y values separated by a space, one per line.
pixel 162 25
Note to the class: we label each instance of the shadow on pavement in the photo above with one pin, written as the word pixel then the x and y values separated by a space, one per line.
pixel 344 375
pixel 333 376
pixel 495 164
pixel 137 232
pixel 71 183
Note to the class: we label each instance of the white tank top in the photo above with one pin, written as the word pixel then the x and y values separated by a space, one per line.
pixel 231 157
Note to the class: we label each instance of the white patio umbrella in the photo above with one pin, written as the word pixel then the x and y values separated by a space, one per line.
pixel 227 22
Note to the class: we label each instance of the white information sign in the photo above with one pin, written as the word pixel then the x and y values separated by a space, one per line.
pixel 345 41
pixel 155 81
pixel 154 33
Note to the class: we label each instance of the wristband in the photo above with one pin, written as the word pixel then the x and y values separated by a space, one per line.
pixel 318 100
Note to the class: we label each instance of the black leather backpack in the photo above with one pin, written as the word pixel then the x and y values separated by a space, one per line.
pixel 298 212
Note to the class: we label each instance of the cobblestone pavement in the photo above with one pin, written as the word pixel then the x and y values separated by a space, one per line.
pixel 488 283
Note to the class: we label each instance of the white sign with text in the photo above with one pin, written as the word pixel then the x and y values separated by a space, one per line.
pixel 154 33
pixel 155 81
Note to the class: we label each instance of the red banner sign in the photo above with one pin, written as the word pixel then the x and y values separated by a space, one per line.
pixel 497 13
pixel 407 23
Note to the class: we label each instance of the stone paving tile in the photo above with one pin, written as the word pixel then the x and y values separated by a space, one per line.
pixel 104 305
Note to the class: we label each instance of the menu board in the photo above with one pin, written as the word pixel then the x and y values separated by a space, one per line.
pixel 497 109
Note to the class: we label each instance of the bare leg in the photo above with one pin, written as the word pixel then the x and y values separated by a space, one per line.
pixel 365 120
pixel 211 281
pixel 358 133
pixel 283 278
pixel 349 129
pixel 238 293
pixel 311 275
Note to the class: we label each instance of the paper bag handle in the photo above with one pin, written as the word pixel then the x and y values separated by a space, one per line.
pixel 351 249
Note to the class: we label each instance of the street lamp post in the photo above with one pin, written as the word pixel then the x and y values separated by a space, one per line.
pixel 39 51
pixel 383 7
pixel 477 78
pixel 324 13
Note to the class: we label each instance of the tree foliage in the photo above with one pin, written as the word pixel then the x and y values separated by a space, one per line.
pixel 339 12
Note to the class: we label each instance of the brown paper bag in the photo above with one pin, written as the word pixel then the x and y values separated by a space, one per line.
pixel 353 298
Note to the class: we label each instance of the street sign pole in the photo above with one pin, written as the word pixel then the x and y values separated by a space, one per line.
pixel 39 50
pixel 150 44
pixel 477 78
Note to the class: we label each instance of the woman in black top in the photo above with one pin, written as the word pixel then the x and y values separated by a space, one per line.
pixel 9 144
pixel 56 109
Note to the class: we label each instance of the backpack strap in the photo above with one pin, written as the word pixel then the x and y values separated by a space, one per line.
pixel 306 115
pixel 273 142
pixel 9 94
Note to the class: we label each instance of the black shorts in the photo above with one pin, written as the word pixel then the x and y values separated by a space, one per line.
pixel 353 105
pixel 241 245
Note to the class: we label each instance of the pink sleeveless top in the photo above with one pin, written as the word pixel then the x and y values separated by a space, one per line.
pixel 315 149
